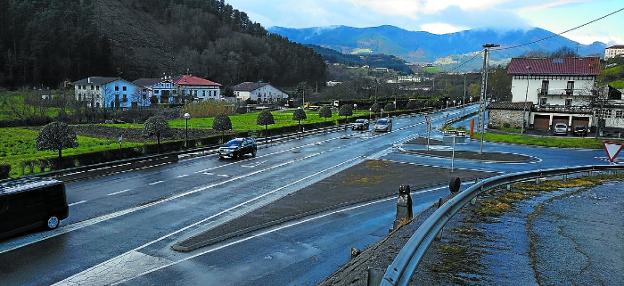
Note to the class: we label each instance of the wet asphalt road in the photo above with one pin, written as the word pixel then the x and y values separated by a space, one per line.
pixel 121 226
pixel 114 215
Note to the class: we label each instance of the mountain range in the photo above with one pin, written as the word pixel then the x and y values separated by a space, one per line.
pixel 425 47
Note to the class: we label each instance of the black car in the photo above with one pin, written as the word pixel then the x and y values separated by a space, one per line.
pixel 360 124
pixel 238 147
pixel 580 130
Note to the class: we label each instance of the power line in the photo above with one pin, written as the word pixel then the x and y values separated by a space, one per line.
pixel 554 35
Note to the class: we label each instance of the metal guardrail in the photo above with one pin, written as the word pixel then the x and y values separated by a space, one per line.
pixel 406 262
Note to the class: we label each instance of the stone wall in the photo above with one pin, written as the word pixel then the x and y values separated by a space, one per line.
pixel 501 117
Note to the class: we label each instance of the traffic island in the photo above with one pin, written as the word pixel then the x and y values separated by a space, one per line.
pixel 367 181
pixel 472 155
pixel 423 141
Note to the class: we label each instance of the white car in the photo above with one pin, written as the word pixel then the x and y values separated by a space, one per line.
pixel 560 129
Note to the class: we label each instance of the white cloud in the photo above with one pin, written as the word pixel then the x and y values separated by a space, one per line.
pixel 441 28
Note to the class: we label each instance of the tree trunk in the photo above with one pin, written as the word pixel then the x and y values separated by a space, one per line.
pixel 158 142
pixel 59 163
pixel 266 132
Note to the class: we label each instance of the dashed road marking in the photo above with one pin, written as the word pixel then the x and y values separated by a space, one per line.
pixel 120 192
pixel 156 183
pixel 182 176
pixel 77 203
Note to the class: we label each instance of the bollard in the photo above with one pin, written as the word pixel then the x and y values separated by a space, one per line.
pixel 473 201
pixel 404 206
pixel 374 277
pixel 508 187
pixel 454 185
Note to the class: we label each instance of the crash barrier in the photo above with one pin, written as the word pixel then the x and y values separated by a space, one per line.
pixel 406 262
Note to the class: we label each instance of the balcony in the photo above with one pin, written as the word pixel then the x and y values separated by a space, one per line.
pixel 566 92
pixel 578 109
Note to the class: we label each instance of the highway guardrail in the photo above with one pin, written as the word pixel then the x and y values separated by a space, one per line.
pixel 406 262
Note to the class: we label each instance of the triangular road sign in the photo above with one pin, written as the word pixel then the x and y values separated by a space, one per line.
pixel 613 150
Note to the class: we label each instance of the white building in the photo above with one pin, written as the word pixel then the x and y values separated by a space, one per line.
pixel 561 90
pixel 199 88
pixel 258 91
pixel 614 51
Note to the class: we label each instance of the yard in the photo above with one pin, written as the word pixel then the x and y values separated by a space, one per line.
pixel 18 145
pixel 546 141
pixel 247 122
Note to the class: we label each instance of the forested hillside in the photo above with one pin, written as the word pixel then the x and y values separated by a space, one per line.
pixel 373 60
pixel 48 41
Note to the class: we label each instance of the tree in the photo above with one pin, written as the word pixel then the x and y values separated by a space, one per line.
pixel 156 126
pixel 299 115
pixel 413 104
pixel 564 52
pixel 222 123
pixel 57 136
pixel 346 110
pixel 265 118
pixel 389 107
pixel 325 112
pixel 375 108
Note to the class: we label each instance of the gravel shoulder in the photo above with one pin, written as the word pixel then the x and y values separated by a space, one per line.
pixel 368 181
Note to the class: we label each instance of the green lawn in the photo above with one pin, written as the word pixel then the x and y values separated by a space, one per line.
pixel 247 122
pixel 18 145
pixel 546 141
pixel 14 100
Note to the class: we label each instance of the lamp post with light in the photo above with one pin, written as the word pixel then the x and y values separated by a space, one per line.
pixel 187 116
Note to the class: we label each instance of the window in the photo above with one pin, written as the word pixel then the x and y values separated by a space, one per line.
pixel 570 88
pixel 97 87
pixel 124 88
pixel 92 87
pixel 568 102
pixel 544 89
pixel 116 88
pixel 156 91
pixel 543 101
pixel 124 98
pixel 619 113
pixel 204 93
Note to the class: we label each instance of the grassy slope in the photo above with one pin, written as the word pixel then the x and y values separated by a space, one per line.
pixel 546 141
pixel 18 145
pixel 16 100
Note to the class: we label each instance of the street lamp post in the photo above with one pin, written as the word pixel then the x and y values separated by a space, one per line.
pixel 187 116
pixel 526 98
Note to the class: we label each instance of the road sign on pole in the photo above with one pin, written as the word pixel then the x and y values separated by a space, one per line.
pixel 613 150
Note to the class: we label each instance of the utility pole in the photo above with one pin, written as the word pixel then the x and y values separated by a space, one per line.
pixel 464 98
pixel 526 98
pixel 484 81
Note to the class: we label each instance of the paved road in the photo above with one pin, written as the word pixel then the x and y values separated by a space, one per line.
pixel 115 218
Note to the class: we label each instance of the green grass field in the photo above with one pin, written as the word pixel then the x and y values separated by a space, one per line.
pixel 10 100
pixel 247 122
pixel 546 141
pixel 18 145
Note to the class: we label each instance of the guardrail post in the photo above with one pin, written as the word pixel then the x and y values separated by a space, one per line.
pixel 404 211
pixel 374 277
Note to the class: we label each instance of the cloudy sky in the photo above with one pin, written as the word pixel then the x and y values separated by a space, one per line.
pixel 444 16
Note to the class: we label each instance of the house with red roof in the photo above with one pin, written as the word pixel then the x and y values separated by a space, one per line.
pixel 198 88
pixel 547 91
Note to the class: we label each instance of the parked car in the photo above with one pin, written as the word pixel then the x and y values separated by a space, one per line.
pixel 29 203
pixel 580 131
pixel 360 124
pixel 560 129
pixel 383 125
pixel 238 147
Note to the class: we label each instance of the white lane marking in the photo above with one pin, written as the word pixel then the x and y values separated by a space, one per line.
pixel 22 241
pixel 208 174
pixel 122 256
pixel 120 192
pixel 182 176
pixel 254 165
pixel 224 176
pixel 155 183
pixel 77 203
pixel 272 230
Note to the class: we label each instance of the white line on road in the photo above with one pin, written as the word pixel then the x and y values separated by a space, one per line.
pixel 208 174
pixel 224 176
pixel 120 192
pixel 182 176
pixel 274 229
pixel 156 183
pixel 77 203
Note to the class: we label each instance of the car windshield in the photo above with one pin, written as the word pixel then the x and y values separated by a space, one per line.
pixel 382 121
pixel 560 126
pixel 360 121
pixel 234 143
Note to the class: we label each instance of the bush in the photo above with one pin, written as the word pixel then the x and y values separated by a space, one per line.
pixel 389 107
pixel 5 169
pixel 210 108
pixel 325 112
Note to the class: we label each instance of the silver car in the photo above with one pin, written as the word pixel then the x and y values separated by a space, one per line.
pixel 383 125
pixel 560 129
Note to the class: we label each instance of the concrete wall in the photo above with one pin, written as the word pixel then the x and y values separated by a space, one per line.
pixel 499 117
